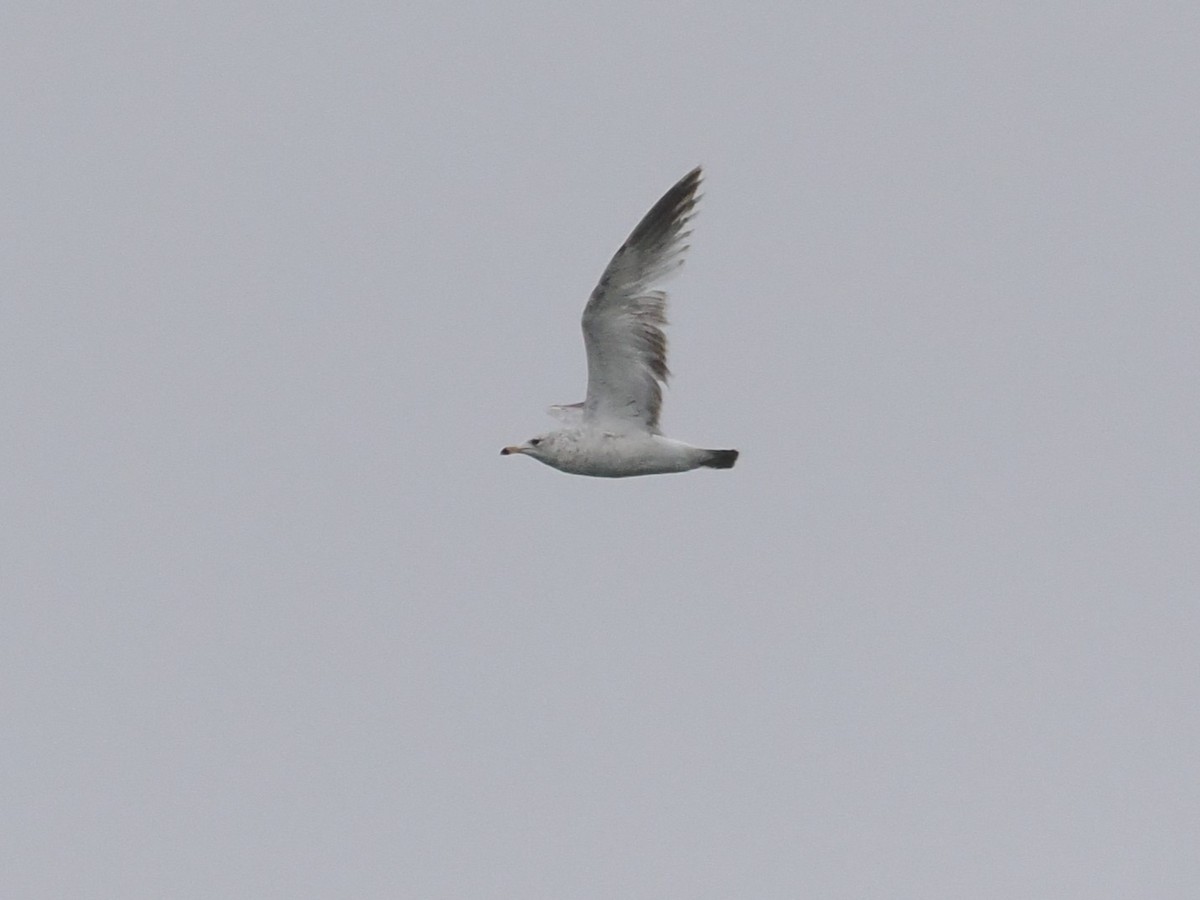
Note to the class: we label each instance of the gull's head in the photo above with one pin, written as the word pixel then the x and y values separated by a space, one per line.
pixel 539 447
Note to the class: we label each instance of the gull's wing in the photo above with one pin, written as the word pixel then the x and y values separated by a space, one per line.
pixel 623 319
pixel 570 413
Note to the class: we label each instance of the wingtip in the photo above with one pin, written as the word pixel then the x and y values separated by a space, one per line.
pixel 691 181
pixel 667 219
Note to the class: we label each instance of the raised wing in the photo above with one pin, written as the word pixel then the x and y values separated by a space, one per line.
pixel 624 318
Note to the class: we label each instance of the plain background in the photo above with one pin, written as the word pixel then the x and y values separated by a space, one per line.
pixel 280 280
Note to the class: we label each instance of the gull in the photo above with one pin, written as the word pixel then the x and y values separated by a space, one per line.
pixel 614 433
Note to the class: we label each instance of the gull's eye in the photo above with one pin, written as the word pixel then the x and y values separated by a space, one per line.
pixel 533 442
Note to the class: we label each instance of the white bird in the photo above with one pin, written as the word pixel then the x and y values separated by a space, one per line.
pixel 614 432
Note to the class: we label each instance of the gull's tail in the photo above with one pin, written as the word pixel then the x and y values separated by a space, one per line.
pixel 720 459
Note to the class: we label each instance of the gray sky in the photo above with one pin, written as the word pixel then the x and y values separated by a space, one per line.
pixel 279 622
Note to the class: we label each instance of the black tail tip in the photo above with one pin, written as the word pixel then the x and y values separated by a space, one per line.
pixel 721 459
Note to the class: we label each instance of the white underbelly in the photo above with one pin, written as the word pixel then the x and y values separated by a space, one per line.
pixel 618 456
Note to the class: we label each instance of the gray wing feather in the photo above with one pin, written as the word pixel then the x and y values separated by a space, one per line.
pixel 624 318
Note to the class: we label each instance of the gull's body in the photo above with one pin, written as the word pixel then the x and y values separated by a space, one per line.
pixel 614 432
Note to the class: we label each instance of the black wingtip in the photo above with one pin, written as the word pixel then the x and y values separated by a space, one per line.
pixel 670 213
pixel 721 459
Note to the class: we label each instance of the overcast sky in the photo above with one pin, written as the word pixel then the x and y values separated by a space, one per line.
pixel 278 281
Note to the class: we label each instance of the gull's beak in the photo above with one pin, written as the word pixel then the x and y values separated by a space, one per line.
pixel 507 450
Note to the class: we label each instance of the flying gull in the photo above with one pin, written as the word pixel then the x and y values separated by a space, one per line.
pixel 614 432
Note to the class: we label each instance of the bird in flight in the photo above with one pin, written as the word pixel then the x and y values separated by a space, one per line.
pixel 614 432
